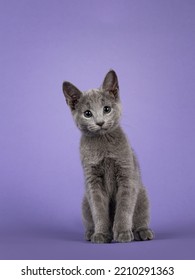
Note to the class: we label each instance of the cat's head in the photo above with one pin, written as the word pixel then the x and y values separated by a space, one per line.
pixel 96 111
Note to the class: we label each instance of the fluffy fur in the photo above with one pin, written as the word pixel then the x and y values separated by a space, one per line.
pixel 115 205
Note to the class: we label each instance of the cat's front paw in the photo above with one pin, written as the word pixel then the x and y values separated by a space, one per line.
pixel 88 235
pixel 101 238
pixel 123 236
pixel 143 234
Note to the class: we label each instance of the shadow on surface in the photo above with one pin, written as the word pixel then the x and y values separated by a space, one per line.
pixel 43 232
pixel 60 234
pixel 182 232
pixel 73 234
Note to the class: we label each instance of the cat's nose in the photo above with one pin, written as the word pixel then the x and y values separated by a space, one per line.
pixel 100 123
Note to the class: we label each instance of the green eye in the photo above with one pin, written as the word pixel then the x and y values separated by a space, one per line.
pixel 107 109
pixel 87 114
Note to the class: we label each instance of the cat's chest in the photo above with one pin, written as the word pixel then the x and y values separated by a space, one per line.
pixel 94 151
pixel 94 154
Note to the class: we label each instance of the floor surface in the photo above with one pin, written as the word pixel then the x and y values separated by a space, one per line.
pixel 61 243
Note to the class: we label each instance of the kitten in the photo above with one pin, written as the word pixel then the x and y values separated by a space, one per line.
pixel 115 205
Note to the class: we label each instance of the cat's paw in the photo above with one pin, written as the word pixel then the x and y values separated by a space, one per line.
pixel 123 236
pixel 88 235
pixel 101 238
pixel 143 234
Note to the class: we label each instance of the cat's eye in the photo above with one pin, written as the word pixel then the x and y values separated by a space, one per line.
pixel 107 109
pixel 87 114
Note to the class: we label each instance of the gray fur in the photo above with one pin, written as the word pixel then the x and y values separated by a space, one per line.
pixel 115 205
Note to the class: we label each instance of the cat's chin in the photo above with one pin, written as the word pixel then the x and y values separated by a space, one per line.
pixel 101 131
pixel 96 133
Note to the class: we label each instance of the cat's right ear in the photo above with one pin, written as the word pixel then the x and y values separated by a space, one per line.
pixel 72 94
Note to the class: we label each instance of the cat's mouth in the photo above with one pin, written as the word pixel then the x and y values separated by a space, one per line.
pixel 104 128
pixel 101 130
pixel 96 130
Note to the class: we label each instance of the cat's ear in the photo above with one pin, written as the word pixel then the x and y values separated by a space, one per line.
pixel 110 83
pixel 72 94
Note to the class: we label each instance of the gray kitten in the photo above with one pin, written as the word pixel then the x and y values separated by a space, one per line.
pixel 115 205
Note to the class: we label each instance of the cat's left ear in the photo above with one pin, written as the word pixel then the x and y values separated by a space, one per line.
pixel 110 83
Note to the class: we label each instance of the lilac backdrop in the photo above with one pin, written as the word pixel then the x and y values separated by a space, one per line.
pixel 151 45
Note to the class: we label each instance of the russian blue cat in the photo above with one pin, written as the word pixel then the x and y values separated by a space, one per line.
pixel 115 204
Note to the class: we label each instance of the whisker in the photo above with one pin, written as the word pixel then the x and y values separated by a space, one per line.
pixel 128 125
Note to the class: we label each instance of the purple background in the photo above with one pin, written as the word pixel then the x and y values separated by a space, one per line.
pixel 151 46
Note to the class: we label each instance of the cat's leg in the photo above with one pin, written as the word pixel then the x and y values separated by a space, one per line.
pixel 141 217
pixel 99 205
pixel 87 219
pixel 100 212
pixel 125 203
